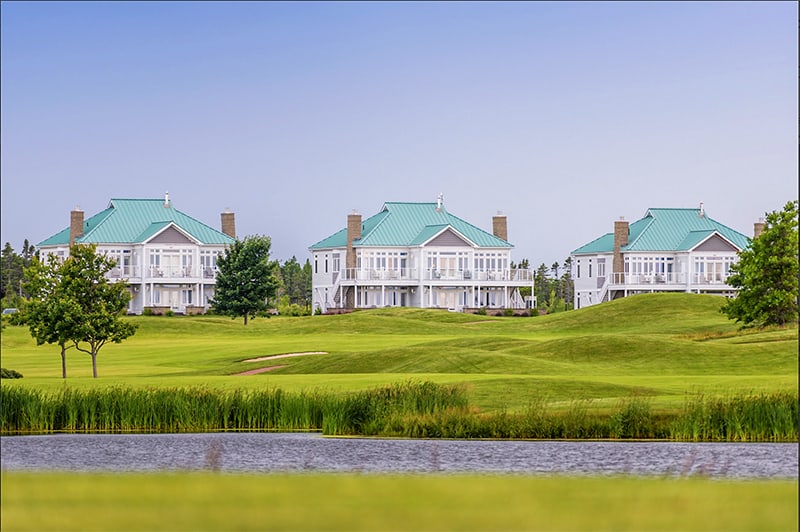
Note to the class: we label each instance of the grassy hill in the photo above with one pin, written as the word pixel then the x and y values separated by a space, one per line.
pixel 663 346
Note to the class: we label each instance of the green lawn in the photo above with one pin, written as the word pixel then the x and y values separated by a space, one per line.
pixel 200 501
pixel 664 346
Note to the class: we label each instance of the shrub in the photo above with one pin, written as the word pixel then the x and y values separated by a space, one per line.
pixel 9 374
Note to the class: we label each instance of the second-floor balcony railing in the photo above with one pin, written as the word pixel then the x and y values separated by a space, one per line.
pixel 436 274
pixel 670 278
pixel 157 273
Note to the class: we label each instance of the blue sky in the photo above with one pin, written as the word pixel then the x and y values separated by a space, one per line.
pixel 564 116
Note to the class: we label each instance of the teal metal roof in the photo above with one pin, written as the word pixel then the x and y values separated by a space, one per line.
pixel 132 221
pixel 401 224
pixel 667 230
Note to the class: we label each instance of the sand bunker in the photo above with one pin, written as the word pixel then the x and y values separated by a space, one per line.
pixel 285 355
pixel 259 370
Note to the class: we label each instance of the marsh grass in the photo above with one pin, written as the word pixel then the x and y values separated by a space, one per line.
pixel 410 409
pixel 199 409
pixel 751 417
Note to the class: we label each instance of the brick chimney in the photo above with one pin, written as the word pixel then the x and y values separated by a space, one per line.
pixel 759 227
pixel 75 225
pixel 500 226
pixel 350 262
pixel 228 223
pixel 621 233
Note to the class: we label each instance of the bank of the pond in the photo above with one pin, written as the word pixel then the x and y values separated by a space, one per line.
pixel 411 410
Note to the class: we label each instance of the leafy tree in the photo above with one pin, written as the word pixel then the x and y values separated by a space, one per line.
pixel 246 279
pixel 766 274
pixel 49 314
pixel 74 303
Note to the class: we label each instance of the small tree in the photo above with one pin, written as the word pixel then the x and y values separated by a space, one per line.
pixel 48 313
pixel 767 274
pixel 74 303
pixel 246 278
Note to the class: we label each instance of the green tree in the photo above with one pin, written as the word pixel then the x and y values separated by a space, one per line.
pixel 48 313
pixel 307 286
pixel 12 266
pixel 766 274
pixel 567 284
pixel 246 278
pixel 541 286
pixel 74 303
pixel 292 276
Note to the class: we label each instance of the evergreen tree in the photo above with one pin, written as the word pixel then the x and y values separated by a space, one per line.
pixel 541 286
pixel 12 266
pixel 247 279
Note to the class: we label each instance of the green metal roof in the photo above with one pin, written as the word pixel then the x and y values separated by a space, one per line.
pixel 667 230
pixel 401 224
pixel 133 221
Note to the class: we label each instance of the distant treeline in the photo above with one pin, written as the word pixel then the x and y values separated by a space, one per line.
pixel 412 410
pixel 553 285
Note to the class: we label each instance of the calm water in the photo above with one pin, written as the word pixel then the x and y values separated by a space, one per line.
pixel 270 452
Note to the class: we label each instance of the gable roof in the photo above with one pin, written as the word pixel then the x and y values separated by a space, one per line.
pixel 668 230
pixel 132 221
pixel 400 224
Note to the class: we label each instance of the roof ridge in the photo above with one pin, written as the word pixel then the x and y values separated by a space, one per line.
pixel 645 228
pixel 109 212
pixel 374 227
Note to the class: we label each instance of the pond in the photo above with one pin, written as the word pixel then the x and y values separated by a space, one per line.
pixel 309 452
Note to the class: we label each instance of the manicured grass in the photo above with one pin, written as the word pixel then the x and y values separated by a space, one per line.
pixel 209 501
pixel 663 346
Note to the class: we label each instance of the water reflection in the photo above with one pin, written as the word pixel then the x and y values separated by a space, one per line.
pixel 271 452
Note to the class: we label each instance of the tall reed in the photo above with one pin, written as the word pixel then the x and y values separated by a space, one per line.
pixel 752 417
pixel 411 409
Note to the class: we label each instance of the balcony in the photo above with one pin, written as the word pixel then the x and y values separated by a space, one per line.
pixel 411 275
pixel 158 274
pixel 668 279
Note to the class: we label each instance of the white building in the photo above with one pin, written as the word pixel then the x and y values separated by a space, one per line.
pixel 416 255
pixel 679 250
pixel 167 258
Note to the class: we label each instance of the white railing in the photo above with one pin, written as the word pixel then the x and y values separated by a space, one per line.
pixel 124 272
pixel 404 274
pixel 155 273
pixel 671 278
pixel 436 274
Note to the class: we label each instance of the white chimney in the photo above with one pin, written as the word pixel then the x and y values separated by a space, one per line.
pixel 439 203
pixel 702 210
pixel 166 199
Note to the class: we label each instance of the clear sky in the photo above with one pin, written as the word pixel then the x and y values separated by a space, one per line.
pixel 564 116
